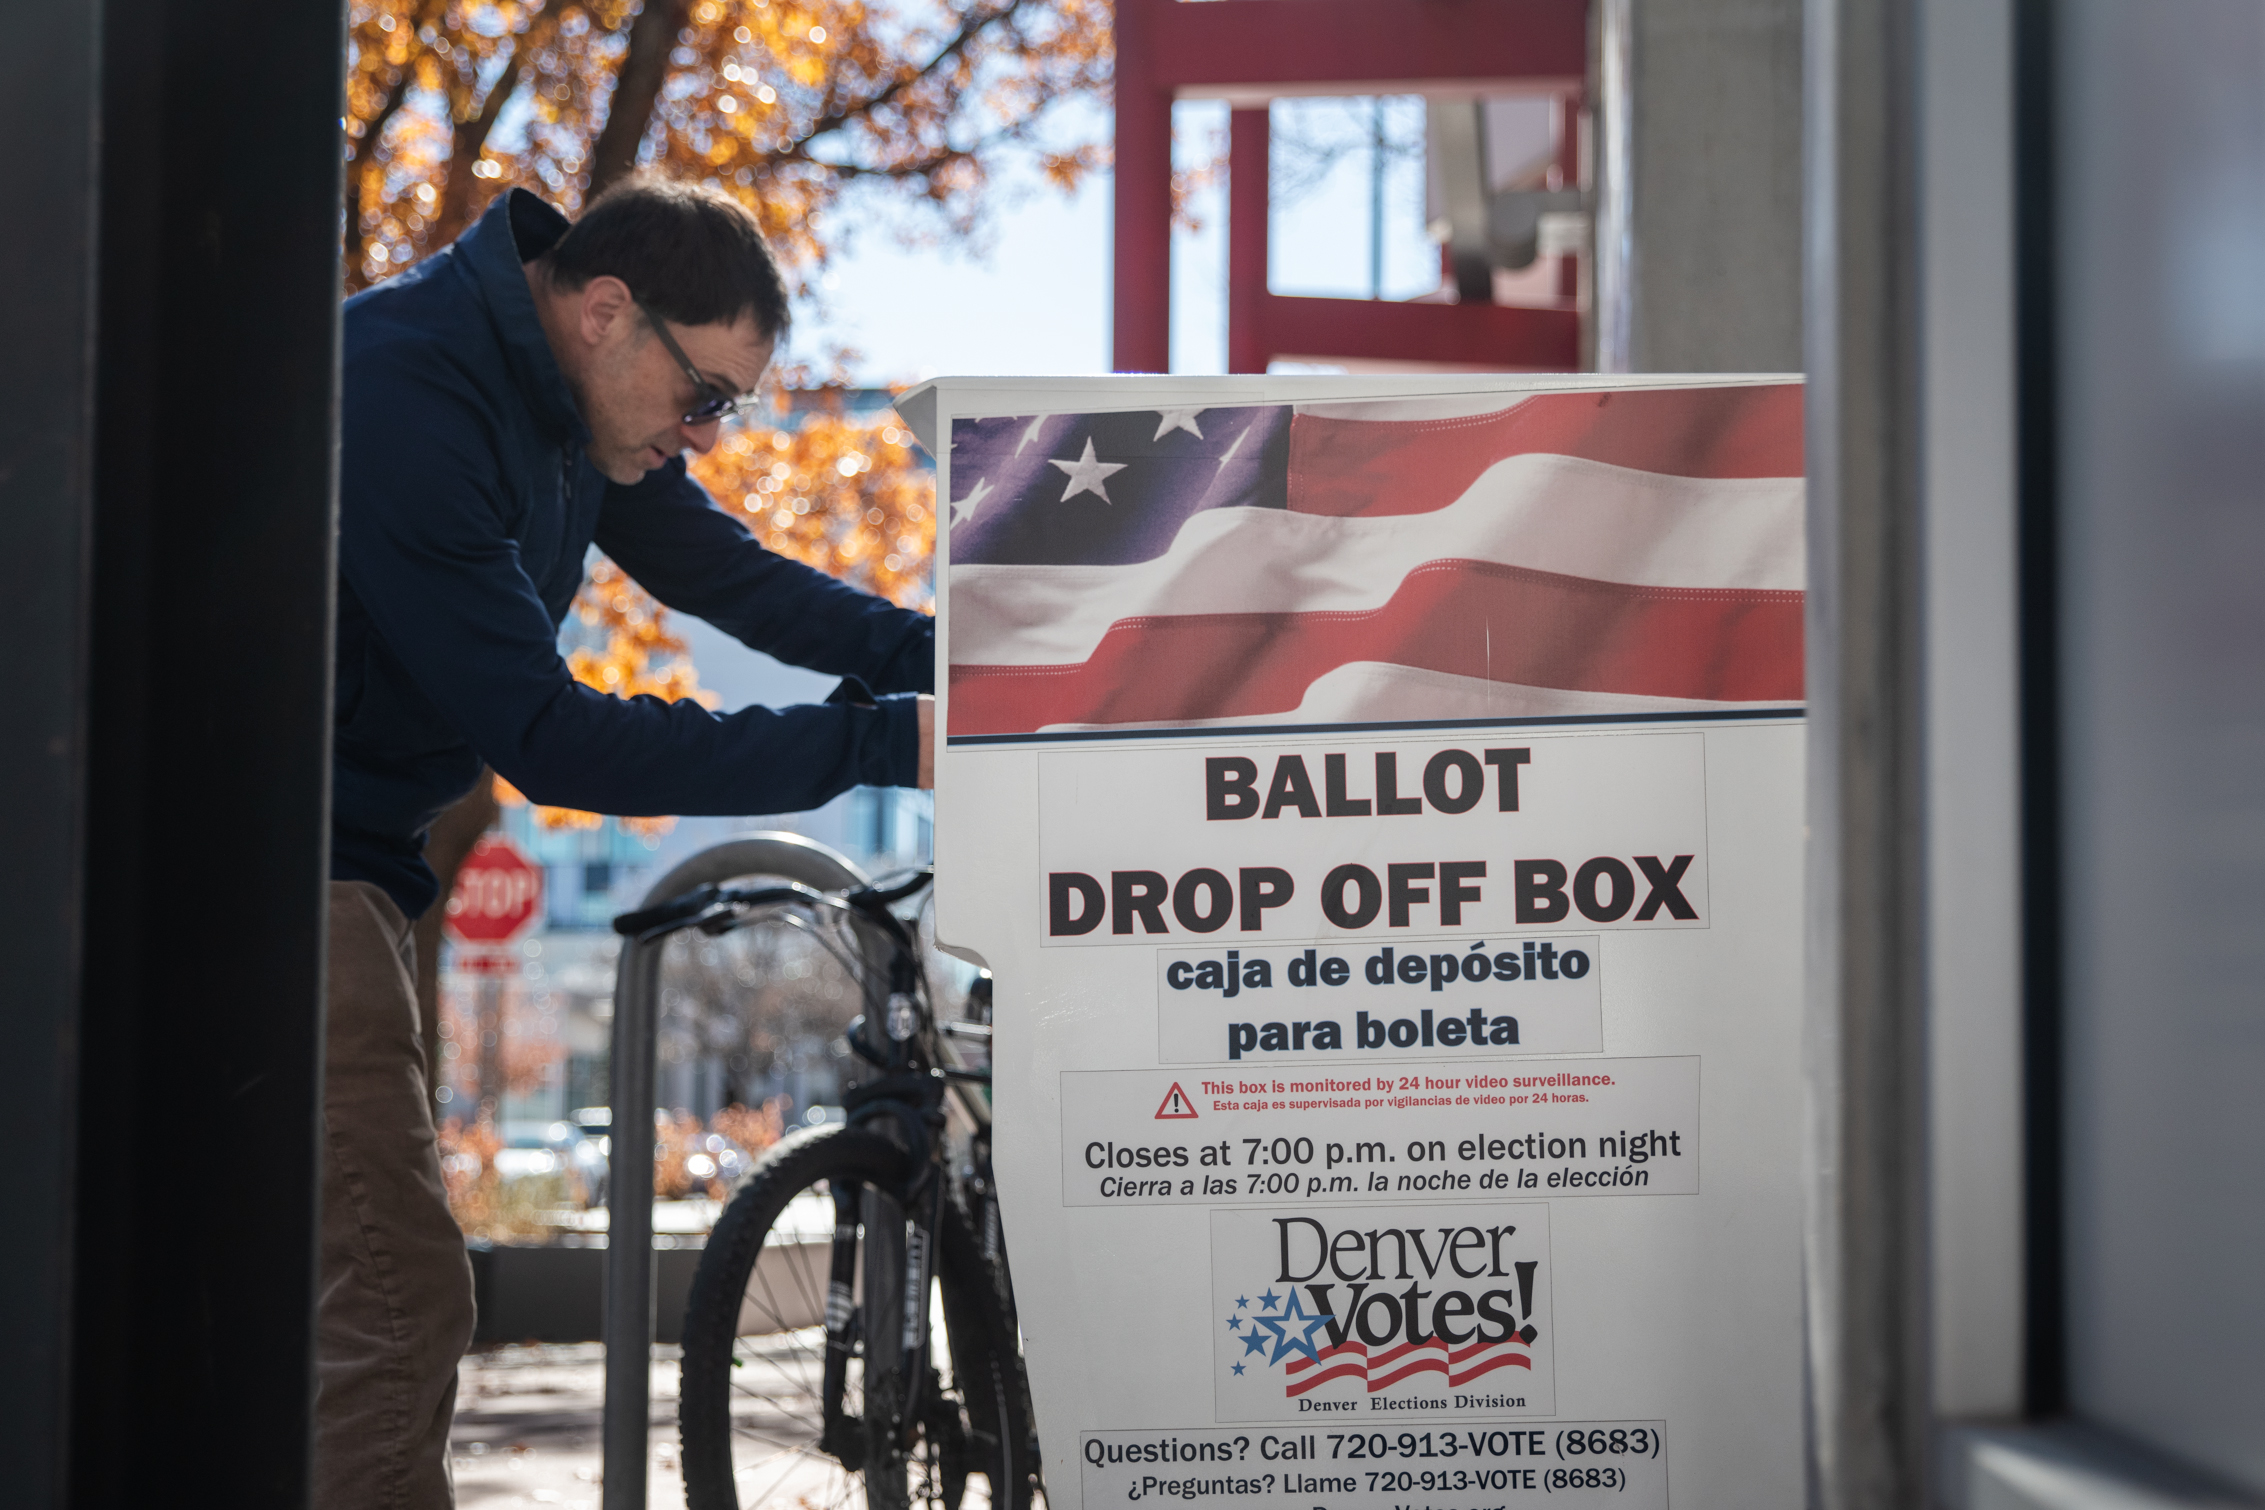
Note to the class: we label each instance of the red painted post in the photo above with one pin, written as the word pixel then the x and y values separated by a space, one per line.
pixel 1365 42
pixel 1142 273
pixel 1249 141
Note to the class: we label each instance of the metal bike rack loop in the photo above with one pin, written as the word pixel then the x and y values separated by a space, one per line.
pixel 627 1326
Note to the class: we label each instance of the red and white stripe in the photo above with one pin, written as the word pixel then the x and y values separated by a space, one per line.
pixel 1622 551
pixel 1351 1359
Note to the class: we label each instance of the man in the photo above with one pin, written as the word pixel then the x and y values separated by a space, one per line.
pixel 518 397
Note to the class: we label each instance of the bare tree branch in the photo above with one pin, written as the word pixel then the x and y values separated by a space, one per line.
pixel 365 152
pixel 915 168
pixel 836 118
pixel 652 36
pixel 470 137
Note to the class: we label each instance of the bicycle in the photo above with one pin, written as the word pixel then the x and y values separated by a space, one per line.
pixel 813 1372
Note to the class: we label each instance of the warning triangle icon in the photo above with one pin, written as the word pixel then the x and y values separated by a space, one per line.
pixel 1176 1105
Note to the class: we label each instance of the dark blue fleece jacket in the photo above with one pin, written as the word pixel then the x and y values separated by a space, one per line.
pixel 467 509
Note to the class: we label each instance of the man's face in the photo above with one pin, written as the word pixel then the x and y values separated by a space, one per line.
pixel 632 392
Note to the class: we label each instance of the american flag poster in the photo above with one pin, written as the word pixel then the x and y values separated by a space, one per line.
pixel 1572 554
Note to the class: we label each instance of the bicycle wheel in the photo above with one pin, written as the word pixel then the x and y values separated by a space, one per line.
pixel 752 1405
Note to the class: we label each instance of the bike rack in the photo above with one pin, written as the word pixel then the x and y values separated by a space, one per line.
pixel 627 1325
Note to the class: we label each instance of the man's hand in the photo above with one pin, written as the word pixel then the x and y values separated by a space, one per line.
pixel 927 712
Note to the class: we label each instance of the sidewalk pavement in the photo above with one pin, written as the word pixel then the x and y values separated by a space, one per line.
pixel 526 1430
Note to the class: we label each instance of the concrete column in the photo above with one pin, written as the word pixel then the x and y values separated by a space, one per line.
pixel 1698 185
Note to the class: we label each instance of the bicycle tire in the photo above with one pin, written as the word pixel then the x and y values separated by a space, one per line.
pixel 980 1421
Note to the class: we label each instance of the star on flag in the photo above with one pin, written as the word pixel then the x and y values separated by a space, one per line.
pixel 1168 420
pixel 964 508
pixel 1088 475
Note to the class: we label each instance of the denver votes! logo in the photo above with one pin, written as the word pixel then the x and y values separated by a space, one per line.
pixel 1353 1314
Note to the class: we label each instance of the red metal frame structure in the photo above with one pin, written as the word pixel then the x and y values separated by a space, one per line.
pixel 1250 51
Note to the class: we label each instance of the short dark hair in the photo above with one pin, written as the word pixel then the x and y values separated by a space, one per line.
pixel 689 254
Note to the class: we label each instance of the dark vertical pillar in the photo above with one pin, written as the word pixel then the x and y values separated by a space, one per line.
pixel 1249 141
pixel 48 94
pixel 207 762
pixel 2037 459
pixel 1142 271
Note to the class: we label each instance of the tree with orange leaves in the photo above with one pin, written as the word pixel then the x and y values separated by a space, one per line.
pixel 785 103
pixel 846 495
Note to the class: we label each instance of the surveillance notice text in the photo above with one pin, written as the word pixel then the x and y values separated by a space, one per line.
pixel 1541 1128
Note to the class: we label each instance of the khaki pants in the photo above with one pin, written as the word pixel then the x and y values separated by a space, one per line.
pixel 395 1312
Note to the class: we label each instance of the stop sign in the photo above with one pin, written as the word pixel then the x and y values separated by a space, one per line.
pixel 498 895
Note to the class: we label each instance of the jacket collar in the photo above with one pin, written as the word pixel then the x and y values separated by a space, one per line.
pixel 515 228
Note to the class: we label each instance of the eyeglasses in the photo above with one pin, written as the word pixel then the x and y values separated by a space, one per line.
pixel 709 402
